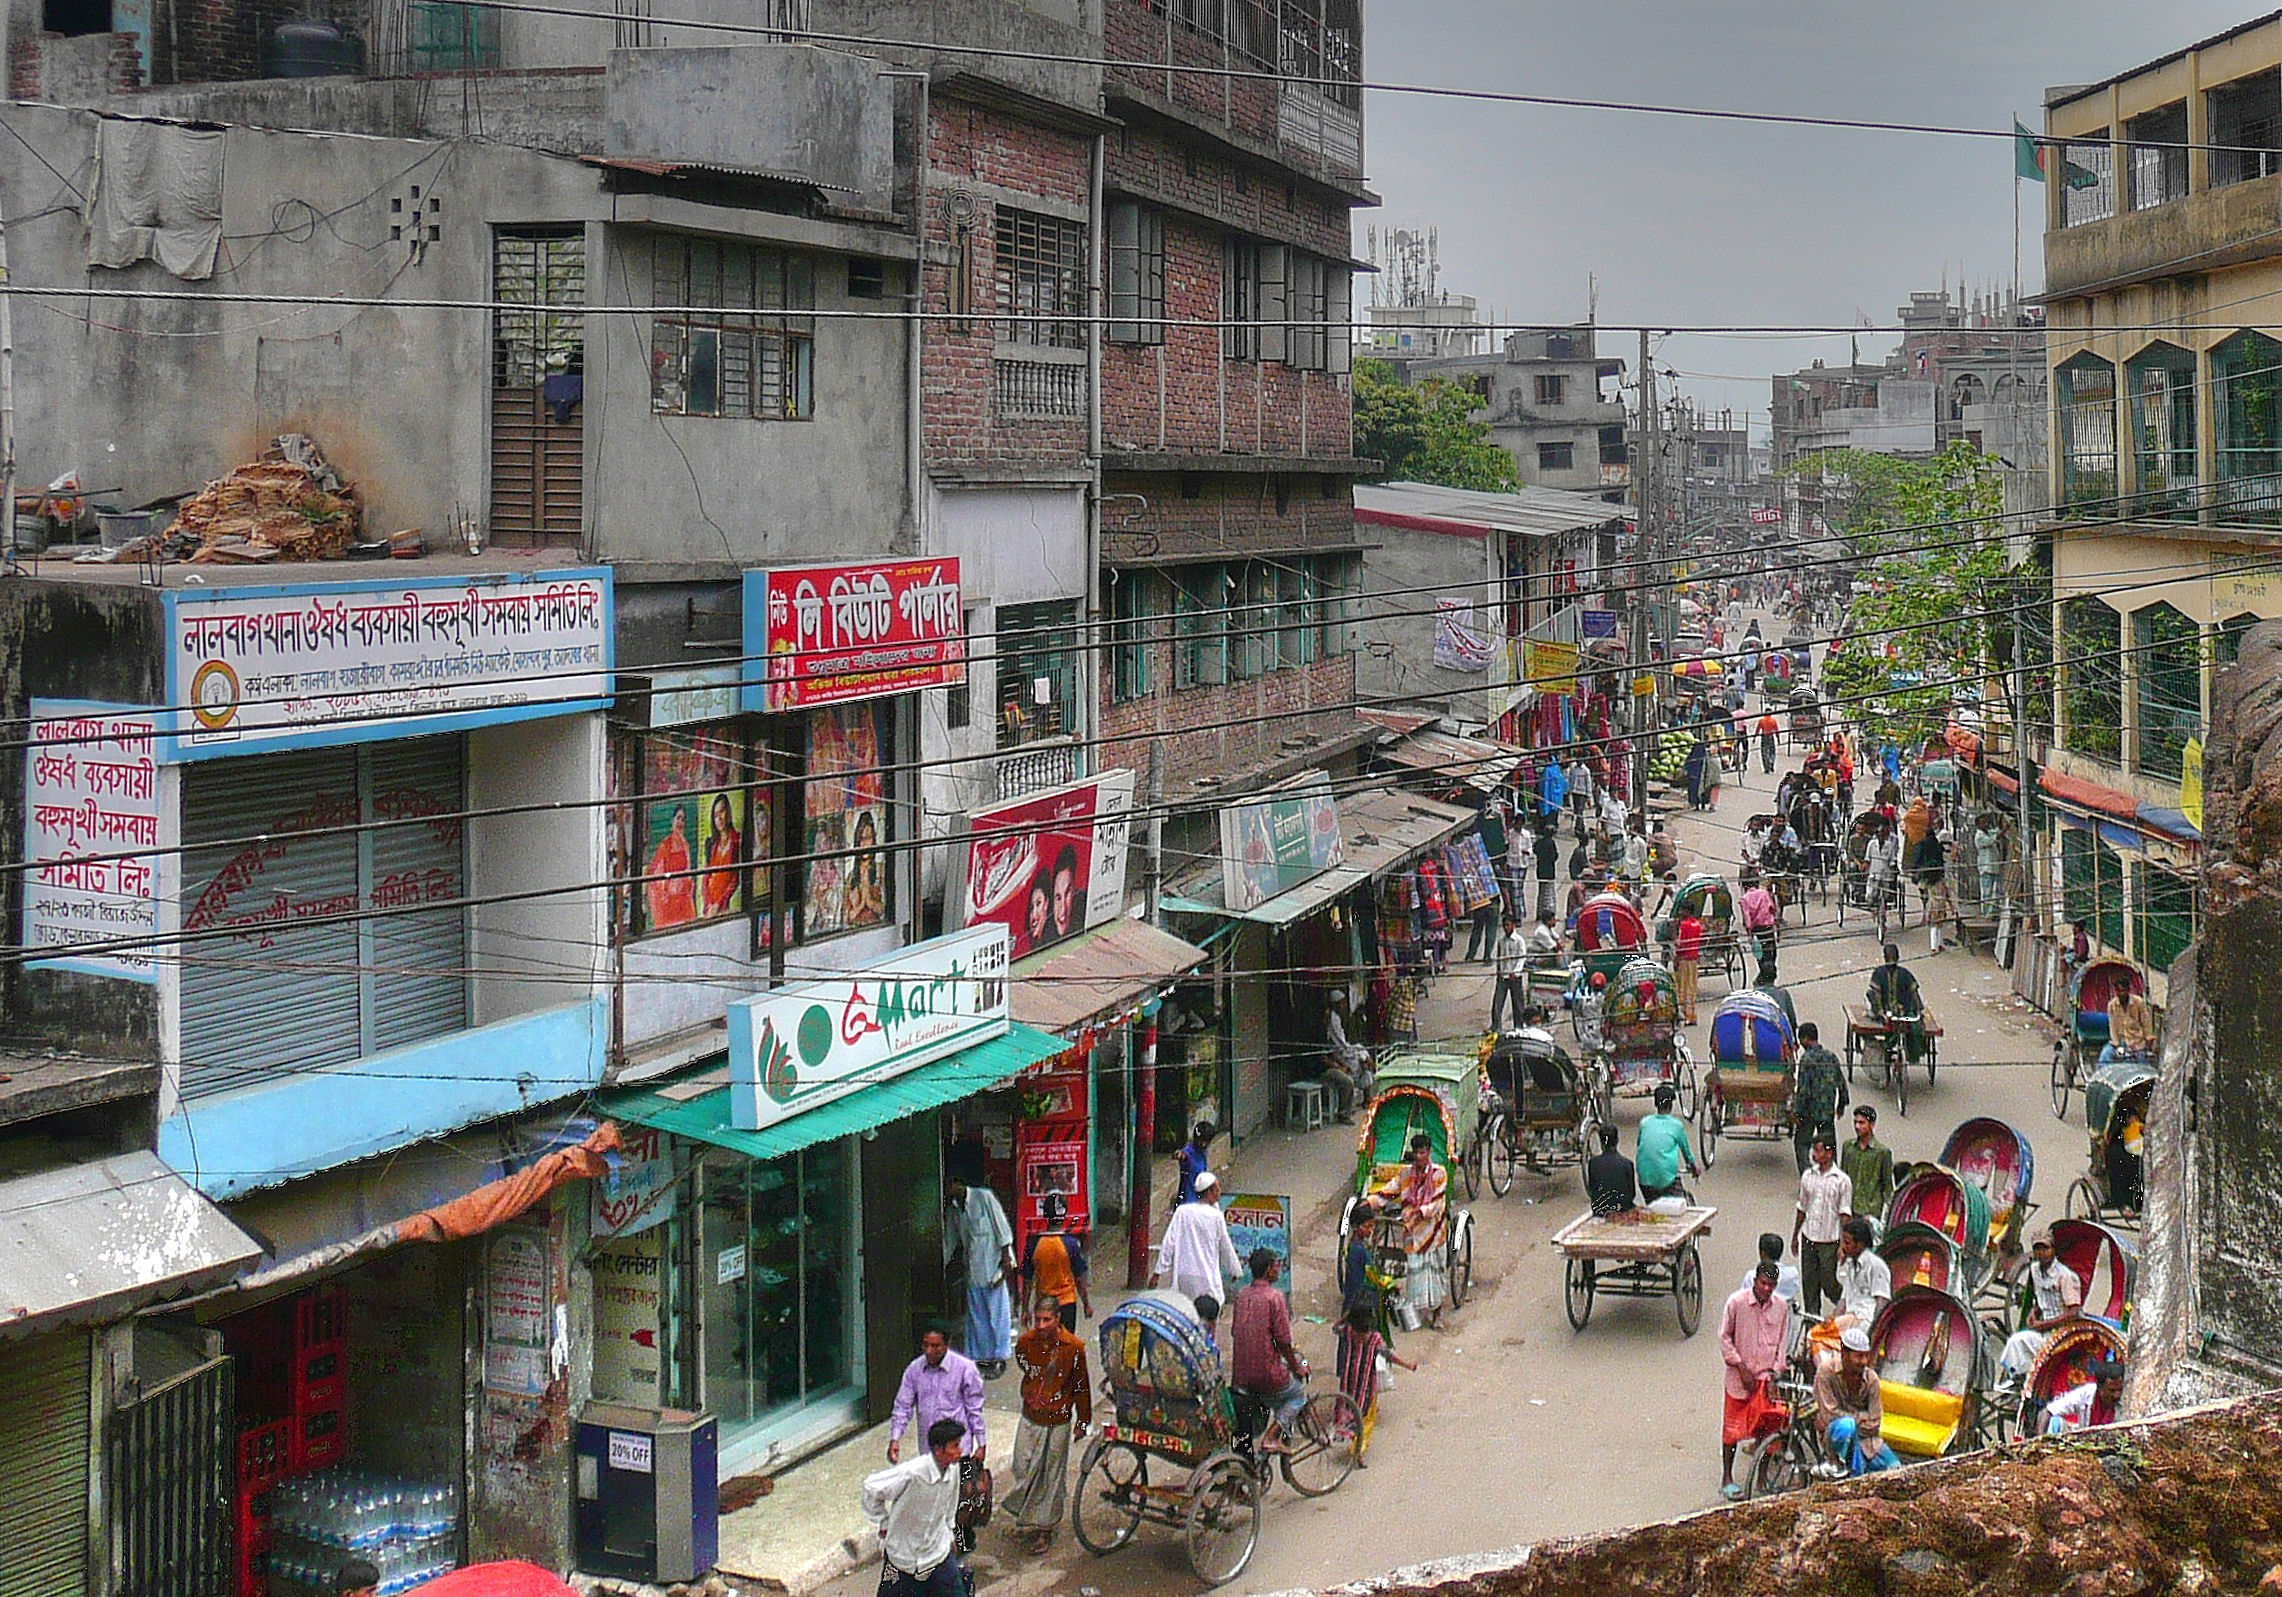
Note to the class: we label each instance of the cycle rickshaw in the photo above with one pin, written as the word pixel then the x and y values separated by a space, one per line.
pixel 1642 1045
pixel 1178 1448
pixel 1749 1086
pixel 1540 1110
pixel 2113 1185
pixel 2084 1033
pixel 1399 1113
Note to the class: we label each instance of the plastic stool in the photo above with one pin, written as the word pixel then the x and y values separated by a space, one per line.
pixel 1304 1106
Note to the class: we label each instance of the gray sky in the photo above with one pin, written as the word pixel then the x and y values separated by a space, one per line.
pixel 1698 222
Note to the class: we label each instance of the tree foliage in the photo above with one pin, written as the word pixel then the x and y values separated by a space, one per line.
pixel 1423 434
pixel 1935 563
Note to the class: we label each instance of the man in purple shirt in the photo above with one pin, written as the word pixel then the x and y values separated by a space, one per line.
pixel 940 1384
pixel 1265 1364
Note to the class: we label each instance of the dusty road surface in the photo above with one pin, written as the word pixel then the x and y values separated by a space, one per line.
pixel 1518 1428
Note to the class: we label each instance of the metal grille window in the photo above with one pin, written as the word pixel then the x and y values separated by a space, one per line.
pixel 538 382
pixel 1136 273
pixel 1200 641
pixel 2246 414
pixel 1552 388
pixel 1252 621
pixel 2088 186
pixel 1041 273
pixel 1037 672
pixel 2167 652
pixel 732 341
pixel 1556 457
pixel 1240 296
pixel 2246 129
pixel 2158 143
pixel 2162 383
pixel 1295 628
pixel 2164 916
pixel 1133 601
pixel 283 851
pixel 2091 644
pixel 541 270
pixel 2086 411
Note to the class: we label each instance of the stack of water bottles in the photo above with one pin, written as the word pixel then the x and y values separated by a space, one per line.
pixel 406 1529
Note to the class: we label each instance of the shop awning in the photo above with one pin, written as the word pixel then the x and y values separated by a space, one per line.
pixel 1475 761
pixel 2170 822
pixel 1102 973
pixel 1383 828
pixel 697 1106
pixel 2088 795
pixel 96 1241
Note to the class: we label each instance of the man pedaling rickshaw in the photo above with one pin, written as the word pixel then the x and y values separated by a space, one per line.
pixel 1895 1000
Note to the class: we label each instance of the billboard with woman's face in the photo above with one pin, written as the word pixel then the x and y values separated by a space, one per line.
pixel 1051 865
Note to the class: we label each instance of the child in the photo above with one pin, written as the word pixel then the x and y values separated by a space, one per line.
pixel 1360 1348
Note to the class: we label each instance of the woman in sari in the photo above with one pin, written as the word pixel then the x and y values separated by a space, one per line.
pixel 1422 1187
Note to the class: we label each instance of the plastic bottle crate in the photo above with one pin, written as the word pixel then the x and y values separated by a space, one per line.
pixel 254 1526
pixel 320 1319
pixel 252 1577
pixel 320 1439
pixel 265 1455
pixel 319 1379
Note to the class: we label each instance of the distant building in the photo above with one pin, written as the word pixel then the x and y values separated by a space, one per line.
pixel 1411 315
pixel 1546 403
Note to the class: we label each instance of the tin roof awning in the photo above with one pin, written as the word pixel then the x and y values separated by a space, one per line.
pixel 96 1241
pixel 1102 972
pixel 1382 829
pixel 1474 761
pixel 2090 796
pixel 697 1106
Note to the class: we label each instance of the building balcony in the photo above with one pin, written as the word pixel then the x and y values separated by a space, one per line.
pixel 2203 232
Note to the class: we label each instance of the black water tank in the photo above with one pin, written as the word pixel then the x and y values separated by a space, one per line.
pixel 306 49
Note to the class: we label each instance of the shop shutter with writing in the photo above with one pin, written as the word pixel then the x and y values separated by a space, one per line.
pixel 281 993
pixel 44 1446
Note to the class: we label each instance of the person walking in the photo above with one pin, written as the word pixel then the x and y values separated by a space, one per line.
pixel 913 1506
pixel 1754 1328
pixel 1826 1202
pixel 1547 849
pixel 979 1232
pixel 1687 956
pixel 1512 973
pixel 1762 920
pixel 1194 1157
pixel 1196 1258
pixel 1482 937
pixel 941 1384
pixel 1821 1095
pixel 1056 1392
pixel 1581 794
pixel 1768 730
pixel 1054 1266
pixel 1869 1166
pixel 1520 851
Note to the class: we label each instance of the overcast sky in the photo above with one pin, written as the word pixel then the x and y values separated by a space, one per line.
pixel 1695 222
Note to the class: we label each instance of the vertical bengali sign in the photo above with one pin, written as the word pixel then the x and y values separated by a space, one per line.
pixel 1259 1220
pixel 828 634
pixel 1274 844
pixel 1049 865
pixel 255 669
pixel 91 835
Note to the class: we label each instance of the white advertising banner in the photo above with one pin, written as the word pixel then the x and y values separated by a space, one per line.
pixel 250 670
pixel 90 835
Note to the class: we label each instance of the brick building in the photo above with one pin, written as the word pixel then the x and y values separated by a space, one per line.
pixel 1228 549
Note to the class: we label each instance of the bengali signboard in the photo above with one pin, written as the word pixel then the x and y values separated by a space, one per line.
pixel 1274 844
pixel 828 634
pixel 1259 1220
pixel 250 670
pixel 1049 865
pixel 798 1048
pixel 90 835
pixel 1551 667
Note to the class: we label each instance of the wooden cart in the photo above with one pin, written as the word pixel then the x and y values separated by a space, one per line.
pixel 1637 1254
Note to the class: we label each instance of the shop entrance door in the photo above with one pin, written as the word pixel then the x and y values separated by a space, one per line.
pixel 172 1468
pixel 904 1282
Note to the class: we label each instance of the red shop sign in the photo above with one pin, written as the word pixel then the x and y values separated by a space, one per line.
pixel 829 634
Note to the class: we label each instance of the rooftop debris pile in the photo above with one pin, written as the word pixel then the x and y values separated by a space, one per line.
pixel 2188 1505
pixel 290 504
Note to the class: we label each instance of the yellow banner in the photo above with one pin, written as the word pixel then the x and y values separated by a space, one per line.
pixel 2191 782
pixel 1550 667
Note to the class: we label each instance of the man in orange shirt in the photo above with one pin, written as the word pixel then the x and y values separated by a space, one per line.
pixel 1055 1387
pixel 1687 950
pixel 1767 729
pixel 1055 1267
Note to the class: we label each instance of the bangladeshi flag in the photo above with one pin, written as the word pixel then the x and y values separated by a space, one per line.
pixel 2028 154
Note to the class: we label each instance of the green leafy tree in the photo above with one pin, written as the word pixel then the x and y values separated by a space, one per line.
pixel 1921 627
pixel 1423 433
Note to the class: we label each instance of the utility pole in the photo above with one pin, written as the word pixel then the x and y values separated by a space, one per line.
pixel 1645 510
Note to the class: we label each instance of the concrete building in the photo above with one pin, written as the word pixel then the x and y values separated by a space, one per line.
pixel 1548 402
pixel 1412 316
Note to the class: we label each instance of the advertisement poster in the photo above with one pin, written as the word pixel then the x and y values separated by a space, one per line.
pixel 828 634
pixel 627 1276
pixel 1274 844
pixel 1056 1166
pixel 1050 865
pixel 1460 644
pixel 264 668
pixel 846 884
pixel 693 813
pixel 1551 667
pixel 1259 1220
pixel 796 1048
pixel 517 1295
pixel 90 791
pixel 639 1191
pixel 1599 624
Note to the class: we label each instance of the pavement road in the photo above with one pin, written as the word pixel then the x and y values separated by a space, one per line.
pixel 1517 1428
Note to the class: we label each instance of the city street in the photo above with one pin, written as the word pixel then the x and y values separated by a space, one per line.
pixel 1519 1429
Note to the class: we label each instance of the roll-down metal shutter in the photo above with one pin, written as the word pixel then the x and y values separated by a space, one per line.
pixel 44 1439
pixel 281 993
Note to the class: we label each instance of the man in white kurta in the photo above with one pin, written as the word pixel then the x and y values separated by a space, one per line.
pixel 1196 1257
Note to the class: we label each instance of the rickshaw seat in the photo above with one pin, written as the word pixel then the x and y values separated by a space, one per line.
pixel 2092 1025
pixel 1920 1421
pixel 1381 1174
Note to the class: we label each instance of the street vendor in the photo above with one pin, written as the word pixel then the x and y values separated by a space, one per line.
pixel 1422 1187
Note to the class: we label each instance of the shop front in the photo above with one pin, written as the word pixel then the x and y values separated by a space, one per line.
pixel 774 1241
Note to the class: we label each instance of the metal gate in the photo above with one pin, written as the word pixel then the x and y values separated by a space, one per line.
pixel 45 1434
pixel 170 1470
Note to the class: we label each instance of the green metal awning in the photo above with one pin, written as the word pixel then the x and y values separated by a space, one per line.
pixel 704 1117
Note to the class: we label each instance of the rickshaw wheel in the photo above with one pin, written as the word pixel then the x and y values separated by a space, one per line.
pixel 1500 1155
pixel 2083 1200
pixel 1578 1292
pixel 1470 1166
pixel 1898 1074
pixel 1329 1430
pixel 2063 1076
pixel 1774 1470
pixel 1932 1059
pixel 1707 1130
pixel 1112 1483
pixel 1222 1522
pixel 1458 1262
pixel 1688 1289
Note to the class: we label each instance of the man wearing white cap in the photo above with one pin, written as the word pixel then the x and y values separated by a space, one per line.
pixel 1197 1258
pixel 1848 1407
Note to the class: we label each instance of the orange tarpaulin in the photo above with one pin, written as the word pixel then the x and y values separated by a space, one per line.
pixel 502 1200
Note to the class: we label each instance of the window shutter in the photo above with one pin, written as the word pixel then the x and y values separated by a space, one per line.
pixel 1124 272
pixel 1274 306
pixel 1340 356
pixel 1151 252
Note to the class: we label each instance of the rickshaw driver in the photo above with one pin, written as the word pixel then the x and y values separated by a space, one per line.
pixel 1661 1149
pixel 1851 1408
pixel 2093 1403
pixel 2131 1027
pixel 1895 999
pixel 1264 1364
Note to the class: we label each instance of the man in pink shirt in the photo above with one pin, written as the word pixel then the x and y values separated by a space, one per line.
pixel 1753 1330
pixel 1762 919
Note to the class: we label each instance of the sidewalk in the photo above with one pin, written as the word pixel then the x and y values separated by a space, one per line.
pixel 808 1532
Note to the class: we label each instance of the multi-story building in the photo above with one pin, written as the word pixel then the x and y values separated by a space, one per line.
pixel 1547 402
pixel 2164 469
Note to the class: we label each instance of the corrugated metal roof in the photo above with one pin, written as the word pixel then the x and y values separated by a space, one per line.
pixel 94 1241
pixel 1381 829
pixel 1540 512
pixel 1098 973
pixel 1463 759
